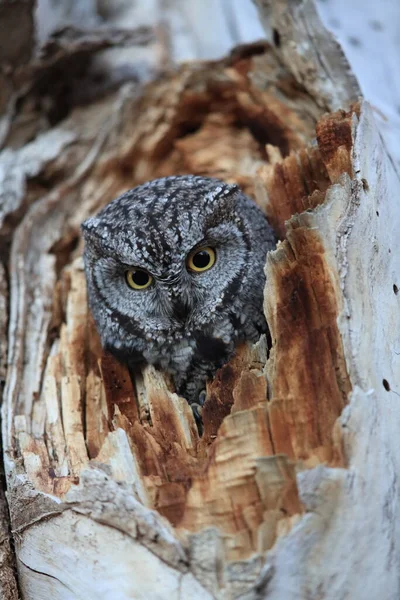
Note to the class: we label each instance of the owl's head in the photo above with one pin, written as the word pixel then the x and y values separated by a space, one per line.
pixel 169 256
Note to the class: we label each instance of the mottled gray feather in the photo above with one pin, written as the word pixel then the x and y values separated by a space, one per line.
pixel 185 323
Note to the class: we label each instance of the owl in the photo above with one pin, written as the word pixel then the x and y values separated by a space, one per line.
pixel 175 274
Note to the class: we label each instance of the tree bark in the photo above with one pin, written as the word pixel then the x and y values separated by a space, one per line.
pixel 291 491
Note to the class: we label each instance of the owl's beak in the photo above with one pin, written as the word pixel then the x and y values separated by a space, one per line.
pixel 181 310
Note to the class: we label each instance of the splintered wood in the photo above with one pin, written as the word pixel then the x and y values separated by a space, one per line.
pixel 270 412
pixel 219 479
pixel 263 419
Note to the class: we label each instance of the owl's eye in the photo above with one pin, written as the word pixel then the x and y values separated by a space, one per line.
pixel 138 279
pixel 201 259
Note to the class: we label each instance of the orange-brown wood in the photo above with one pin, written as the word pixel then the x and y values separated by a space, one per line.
pixel 269 412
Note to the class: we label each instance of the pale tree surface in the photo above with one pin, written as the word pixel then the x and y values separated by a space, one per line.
pixel 369 33
pixel 291 491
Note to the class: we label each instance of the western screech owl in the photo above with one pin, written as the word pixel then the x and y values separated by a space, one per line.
pixel 175 272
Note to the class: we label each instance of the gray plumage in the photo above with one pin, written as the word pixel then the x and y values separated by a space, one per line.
pixel 187 323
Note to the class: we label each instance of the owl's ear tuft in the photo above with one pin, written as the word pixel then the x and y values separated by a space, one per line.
pixel 91 233
pixel 90 228
pixel 89 225
pixel 222 195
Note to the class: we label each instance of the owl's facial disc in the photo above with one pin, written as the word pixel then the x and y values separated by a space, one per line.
pixel 167 264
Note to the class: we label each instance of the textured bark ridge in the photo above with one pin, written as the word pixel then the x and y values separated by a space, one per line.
pixel 107 475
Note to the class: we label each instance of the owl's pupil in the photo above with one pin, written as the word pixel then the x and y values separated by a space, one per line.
pixel 201 259
pixel 140 278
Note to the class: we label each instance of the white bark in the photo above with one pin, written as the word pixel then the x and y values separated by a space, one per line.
pixel 369 36
pixel 347 545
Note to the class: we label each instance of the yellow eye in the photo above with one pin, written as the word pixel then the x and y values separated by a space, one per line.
pixel 201 259
pixel 138 279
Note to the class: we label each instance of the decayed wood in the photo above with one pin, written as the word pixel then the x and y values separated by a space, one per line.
pixel 112 492
pixel 8 584
pixel 88 409
pixel 309 52
pixel 15 51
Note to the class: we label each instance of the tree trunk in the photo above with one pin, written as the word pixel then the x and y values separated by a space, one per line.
pixel 291 491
